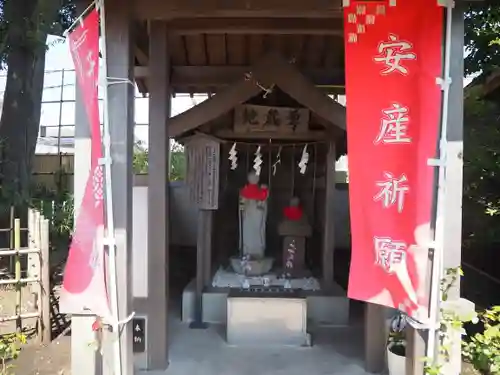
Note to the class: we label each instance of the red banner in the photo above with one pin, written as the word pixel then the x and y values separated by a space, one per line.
pixel 84 283
pixel 393 58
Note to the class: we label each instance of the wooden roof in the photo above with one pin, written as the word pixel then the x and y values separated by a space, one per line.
pixel 270 71
pixel 214 42
pixel 491 85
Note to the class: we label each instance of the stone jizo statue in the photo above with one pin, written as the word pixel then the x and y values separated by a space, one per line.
pixel 252 222
pixel 294 229
pixel 253 216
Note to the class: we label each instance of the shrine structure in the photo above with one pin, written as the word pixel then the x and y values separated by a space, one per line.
pixel 268 147
pixel 261 154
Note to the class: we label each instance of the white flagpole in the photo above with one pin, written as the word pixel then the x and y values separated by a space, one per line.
pixel 110 225
pixel 438 261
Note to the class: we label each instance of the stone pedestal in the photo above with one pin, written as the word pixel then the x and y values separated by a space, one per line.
pixel 264 320
pixel 323 310
pixel 252 267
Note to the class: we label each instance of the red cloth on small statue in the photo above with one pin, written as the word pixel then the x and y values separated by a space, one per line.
pixel 255 192
pixel 293 213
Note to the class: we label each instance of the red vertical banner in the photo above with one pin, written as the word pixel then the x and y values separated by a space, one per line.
pixel 84 282
pixel 393 60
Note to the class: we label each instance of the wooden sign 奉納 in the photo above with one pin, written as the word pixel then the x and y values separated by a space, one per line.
pixel 139 334
pixel 257 118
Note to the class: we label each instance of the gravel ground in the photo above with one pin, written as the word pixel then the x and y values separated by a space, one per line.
pixel 53 359
pixel 8 308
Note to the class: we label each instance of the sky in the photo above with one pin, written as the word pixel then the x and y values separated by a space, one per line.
pixel 58 59
pixel 55 113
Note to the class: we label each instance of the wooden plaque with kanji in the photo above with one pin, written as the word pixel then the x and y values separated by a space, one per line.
pixel 257 118
pixel 202 171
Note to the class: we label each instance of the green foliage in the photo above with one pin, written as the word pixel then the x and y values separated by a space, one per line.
pixel 482 28
pixel 177 161
pixel 483 350
pixel 481 198
pixel 9 349
pixel 397 341
pixel 140 159
pixel 57 205
pixel 49 17
pixel 450 324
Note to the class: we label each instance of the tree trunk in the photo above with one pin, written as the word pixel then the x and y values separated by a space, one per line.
pixel 20 119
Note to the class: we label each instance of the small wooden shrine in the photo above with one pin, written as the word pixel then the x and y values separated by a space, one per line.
pixel 280 130
pixel 285 56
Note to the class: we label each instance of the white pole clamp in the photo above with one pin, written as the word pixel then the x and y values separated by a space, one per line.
pixel 109 241
pixel 436 162
pixel 443 82
pixel 446 3
pixel 105 161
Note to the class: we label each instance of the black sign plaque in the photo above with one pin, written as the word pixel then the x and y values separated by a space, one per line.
pixel 139 334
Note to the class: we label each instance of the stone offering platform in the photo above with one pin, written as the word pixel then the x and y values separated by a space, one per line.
pixel 323 309
pixel 259 319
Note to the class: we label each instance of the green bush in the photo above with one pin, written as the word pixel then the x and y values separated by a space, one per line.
pixel 483 349
pixel 9 349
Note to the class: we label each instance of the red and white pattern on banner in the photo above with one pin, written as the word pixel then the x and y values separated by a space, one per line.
pixel 393 58
pixel 84 282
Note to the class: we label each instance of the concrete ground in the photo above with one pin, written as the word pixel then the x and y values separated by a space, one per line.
pixel 205 352
pixel 53 359
pixel 335 351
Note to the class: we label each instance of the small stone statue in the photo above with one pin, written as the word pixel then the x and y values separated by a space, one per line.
pixel 253 214
pixel 294 228
pixel 252 219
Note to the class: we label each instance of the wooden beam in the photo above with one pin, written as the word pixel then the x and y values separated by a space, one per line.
pixel 218 105
pixel 309 136
pixel 154 9
pixel 217 76
pixel 288 78
pixel 271 70
pixel 141 71
pixel 283 26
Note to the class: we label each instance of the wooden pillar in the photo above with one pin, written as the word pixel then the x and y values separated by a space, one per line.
pixel 207 271
pixel 158 197
pixel 329 225
pixel 375 338
pixel 120 65
pixel 204 217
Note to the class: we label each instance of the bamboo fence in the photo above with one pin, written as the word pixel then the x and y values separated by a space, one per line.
pixel 37 275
